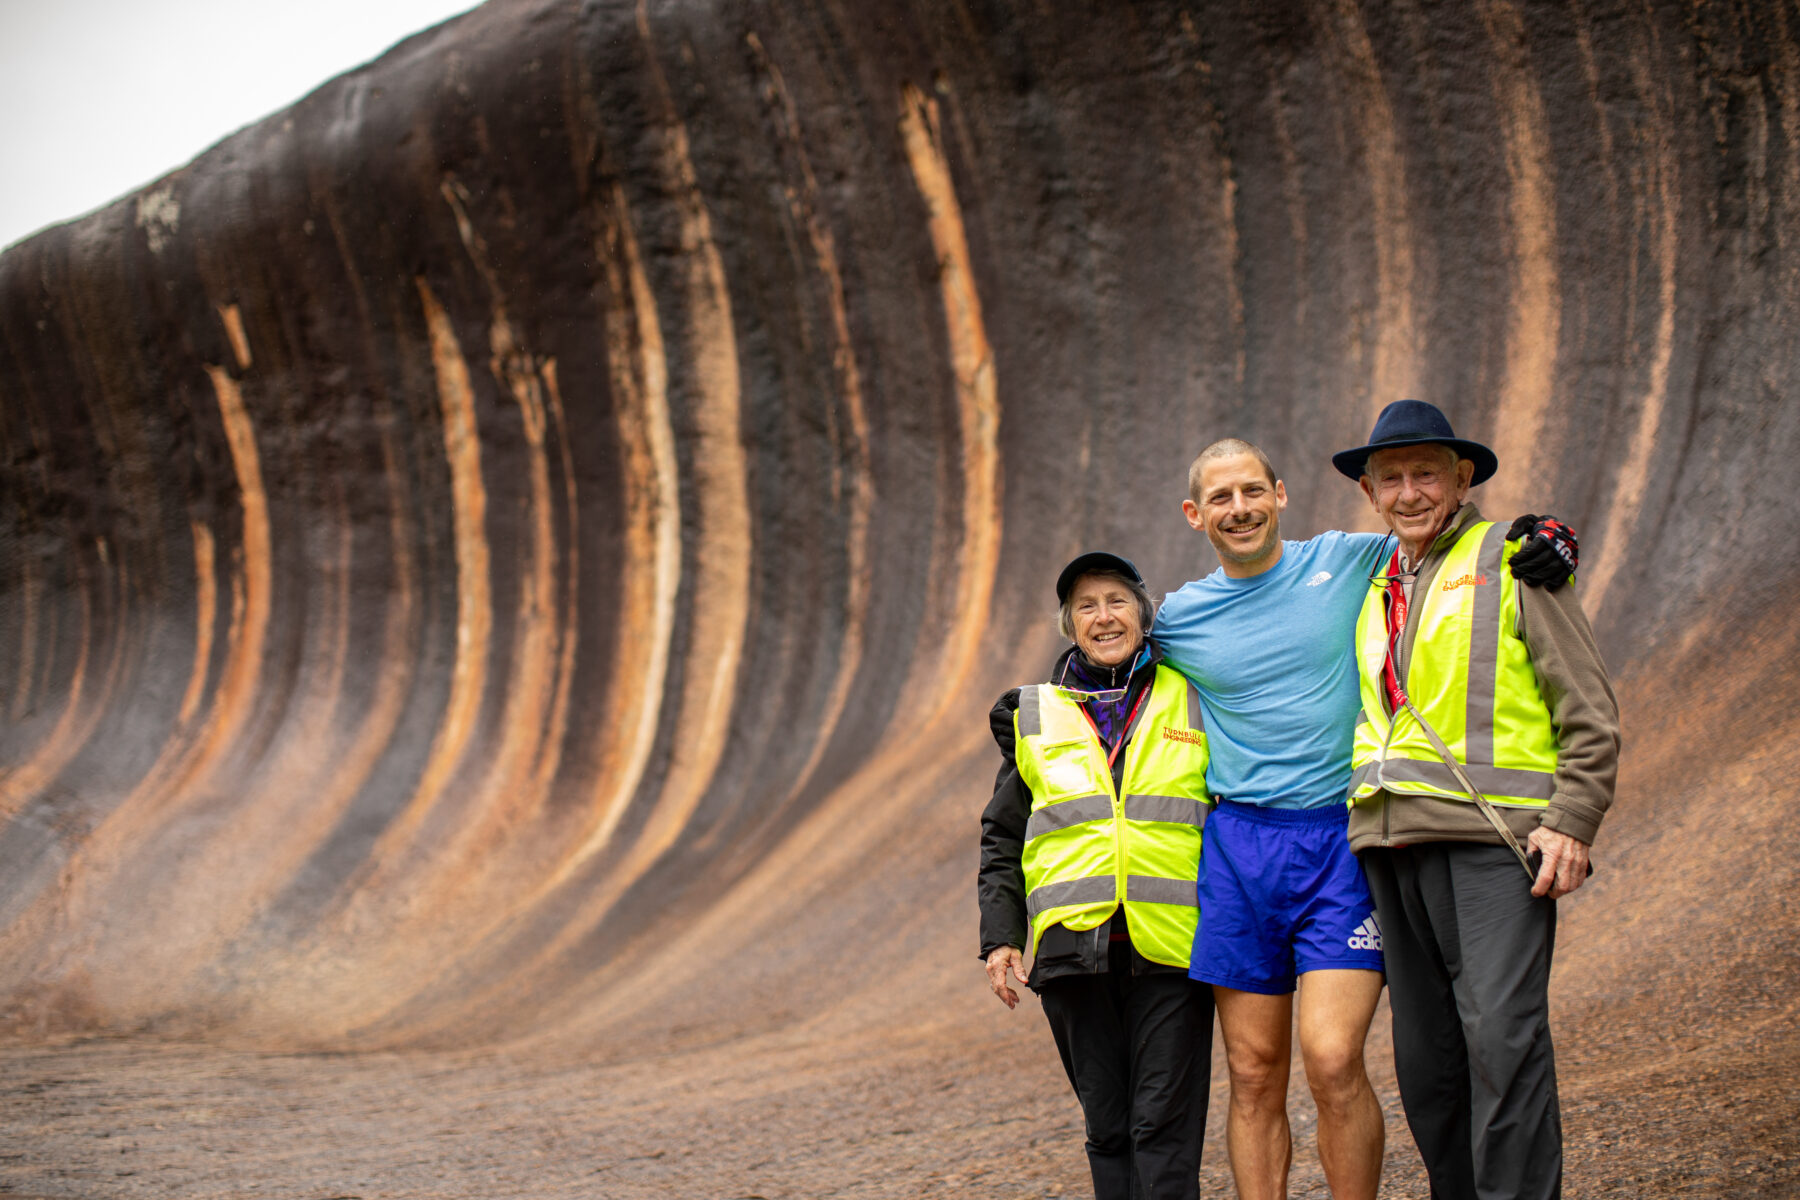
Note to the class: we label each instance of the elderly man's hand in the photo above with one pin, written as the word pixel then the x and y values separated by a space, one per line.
pixel 1549 553
pixel 998 961
pixel 1563 869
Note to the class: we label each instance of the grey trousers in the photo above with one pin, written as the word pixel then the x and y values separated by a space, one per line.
pixel 1138 1050
pixel 1468 953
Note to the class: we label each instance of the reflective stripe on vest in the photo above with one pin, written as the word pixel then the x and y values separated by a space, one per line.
pixel 1174 810
pixel 1087 851
pixel 1144 889
pixel 1470 675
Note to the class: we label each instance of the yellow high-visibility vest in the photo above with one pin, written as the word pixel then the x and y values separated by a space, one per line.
pixel 1470 676
pixel 1089 849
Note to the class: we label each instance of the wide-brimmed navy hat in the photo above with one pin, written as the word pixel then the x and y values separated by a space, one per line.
pixel 1415 423
pixel 1093 560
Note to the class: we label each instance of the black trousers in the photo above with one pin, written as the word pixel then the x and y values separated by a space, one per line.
pixel 1138 1049
pixel 1468 953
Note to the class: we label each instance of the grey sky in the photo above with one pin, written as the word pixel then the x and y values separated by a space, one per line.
pixel 99 97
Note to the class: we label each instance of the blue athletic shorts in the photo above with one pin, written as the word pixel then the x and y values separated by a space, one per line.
pixel 1280 895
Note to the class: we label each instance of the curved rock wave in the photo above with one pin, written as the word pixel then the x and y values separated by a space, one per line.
pixel 521 543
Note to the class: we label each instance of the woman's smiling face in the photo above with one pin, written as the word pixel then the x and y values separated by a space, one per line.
pixel 1108 627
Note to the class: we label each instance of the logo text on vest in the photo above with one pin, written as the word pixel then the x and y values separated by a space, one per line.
pixel 1191 736
pixel 1450 585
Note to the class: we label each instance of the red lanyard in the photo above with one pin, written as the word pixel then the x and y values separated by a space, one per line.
pixel 1396 624
pixel 1113 755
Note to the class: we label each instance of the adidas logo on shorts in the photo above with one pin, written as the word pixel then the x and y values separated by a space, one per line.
pixel 1367 936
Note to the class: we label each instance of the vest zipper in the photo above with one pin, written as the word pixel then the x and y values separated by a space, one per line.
pixel 1387 741
pixel 1115 788
pixel 1118 804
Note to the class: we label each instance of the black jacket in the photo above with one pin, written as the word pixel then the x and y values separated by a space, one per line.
pixel 1000 882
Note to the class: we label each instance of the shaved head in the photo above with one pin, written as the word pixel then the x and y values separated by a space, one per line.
pixel 1226 448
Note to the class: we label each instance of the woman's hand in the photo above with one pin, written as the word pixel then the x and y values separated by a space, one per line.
pixel 998 960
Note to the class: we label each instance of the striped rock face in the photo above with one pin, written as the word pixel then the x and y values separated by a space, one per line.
pixel 522 542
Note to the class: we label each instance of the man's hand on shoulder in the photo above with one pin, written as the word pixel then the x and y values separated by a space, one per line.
pixel 1565 863
pixel 998 961
pixel 1550 553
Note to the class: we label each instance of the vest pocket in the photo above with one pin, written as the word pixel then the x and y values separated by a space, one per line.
pixel 1067 769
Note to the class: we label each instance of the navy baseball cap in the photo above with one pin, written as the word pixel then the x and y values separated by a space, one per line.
pixel 1093 560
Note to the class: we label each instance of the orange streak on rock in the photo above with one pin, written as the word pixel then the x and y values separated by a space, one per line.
pixel 720 596
pixel 721 592
pixel 550 751
pixel 535 650
pixel 206 605
pixel 1658 210
pixel 21 782
pixel 649 578
pixel 394 677
pixel 183 766
pixel 650 570
pixel 234 330
pixel 22 941
pixel 977 403
pixel 805 206
pixel 294 994
pixel 1535 318
pixel 1293 195
pixel 511 787
pixel 475 873
pixel 184 762
pixel 243 666
pixel 838 840
pixel 1393 373
pixel 199 904
pixel 23 686
pixel 474 611
pixel 1231 252
pixel 528 731
pixel 394 673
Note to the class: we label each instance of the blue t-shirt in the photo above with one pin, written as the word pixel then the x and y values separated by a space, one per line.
pixel 1274 656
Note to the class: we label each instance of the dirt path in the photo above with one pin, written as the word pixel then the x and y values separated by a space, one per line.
pixel 924 1116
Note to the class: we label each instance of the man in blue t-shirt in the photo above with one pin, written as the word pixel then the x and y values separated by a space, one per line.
pixel 1269 640
pixel 1283 905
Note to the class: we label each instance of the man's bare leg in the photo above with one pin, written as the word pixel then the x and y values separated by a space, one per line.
pixel 1335 1010
pixel 1258 1033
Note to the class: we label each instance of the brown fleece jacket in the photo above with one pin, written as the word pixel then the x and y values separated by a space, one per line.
pixel 1582 707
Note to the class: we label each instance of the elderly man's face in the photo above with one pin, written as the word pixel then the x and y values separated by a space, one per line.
pixel 1108 627
pixel 1416 489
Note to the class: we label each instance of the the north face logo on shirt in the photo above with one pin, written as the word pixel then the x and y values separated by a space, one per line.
pixel 1316 580
pixel 1367 935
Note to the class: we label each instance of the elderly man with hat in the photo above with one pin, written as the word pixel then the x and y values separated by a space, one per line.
pixel 1484 761
pixel 1089 851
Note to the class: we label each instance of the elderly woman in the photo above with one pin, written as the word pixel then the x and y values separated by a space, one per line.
pixel 1091 845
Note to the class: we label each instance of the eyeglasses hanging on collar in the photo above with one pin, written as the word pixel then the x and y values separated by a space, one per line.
pixel 1102 695
pixel 1380 576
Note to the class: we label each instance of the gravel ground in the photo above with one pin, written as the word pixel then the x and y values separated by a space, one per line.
pixel 925 1115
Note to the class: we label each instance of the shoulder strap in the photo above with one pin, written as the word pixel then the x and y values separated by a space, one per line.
pixel 1487 808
